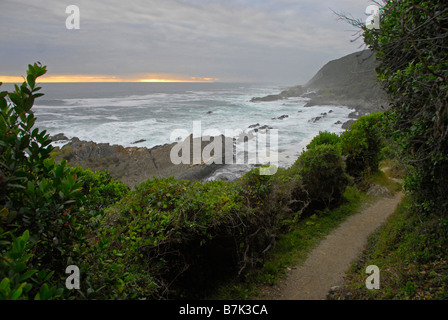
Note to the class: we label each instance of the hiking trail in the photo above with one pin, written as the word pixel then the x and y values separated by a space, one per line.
pixel 327 263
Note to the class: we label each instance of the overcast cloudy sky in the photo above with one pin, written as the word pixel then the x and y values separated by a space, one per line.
pixel 276 41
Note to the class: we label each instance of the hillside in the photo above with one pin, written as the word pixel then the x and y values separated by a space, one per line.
pixel 350 81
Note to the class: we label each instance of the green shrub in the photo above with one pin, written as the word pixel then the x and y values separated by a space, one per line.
pixel 99 188
pixel 174 237
pixel 37 194
pixel 362 143
pixel 323 175
pixel 412 67
pixel 19 281
pixel 324 137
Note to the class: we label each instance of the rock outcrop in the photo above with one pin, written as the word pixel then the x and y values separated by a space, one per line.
pixel 133 165
pixel 288 93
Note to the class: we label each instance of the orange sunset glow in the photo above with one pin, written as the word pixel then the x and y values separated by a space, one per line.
pixel 166 78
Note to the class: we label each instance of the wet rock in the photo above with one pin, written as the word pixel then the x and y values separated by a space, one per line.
pixel 348 123
pixel 138 141
pixel 354 115
pixel 59 137
pixel 281 118
pixel 314 120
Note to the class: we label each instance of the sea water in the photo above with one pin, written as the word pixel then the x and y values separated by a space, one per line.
pixel 124 113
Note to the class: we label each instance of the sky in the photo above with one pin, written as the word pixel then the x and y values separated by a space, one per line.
pixel 281 42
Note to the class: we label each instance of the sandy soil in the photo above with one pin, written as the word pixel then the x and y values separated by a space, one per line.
pixel 326 265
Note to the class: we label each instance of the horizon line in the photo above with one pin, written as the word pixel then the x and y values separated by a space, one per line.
pixel 141 78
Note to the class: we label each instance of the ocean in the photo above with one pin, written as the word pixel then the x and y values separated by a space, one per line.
pixel 124 113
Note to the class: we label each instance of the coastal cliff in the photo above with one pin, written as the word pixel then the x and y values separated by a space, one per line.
pixel 349 81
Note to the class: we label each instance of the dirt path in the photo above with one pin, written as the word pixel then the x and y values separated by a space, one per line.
pixel 326 265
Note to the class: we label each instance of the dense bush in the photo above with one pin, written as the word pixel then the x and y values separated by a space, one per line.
pixel 45 207
pixel 362 144
pixel 99 188
pixel 324 137
pixel 37 196
pixel 176 238
pixel 170 238
pixel 413 67
pixel 19 279
pixel 275 194
pixel 323 175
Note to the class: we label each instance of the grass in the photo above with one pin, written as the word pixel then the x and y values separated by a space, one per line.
pixel 291 249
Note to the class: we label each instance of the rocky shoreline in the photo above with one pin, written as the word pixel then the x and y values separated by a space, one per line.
pixel 132 165
pixel 361 107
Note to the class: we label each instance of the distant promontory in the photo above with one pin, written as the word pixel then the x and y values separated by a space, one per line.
pixel 349 81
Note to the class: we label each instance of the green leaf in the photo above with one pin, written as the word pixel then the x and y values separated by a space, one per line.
pixel 4 284
pixel 40 71
pixel 41 275
pixel 31 70
pixel 26 275
pixel 17 293
pixel 28 103
pixel 49 275
pixel 44 292
pixel 19 267
pixel 31 80
pixel 26 235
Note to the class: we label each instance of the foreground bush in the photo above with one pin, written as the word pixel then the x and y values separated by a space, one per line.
pixel 411 50
pixel 362 145
pixel 46 207
pixel 323 175
pixel 38 197
pixel 176 235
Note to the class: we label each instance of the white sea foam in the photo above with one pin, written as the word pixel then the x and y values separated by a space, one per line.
pixel 153 115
